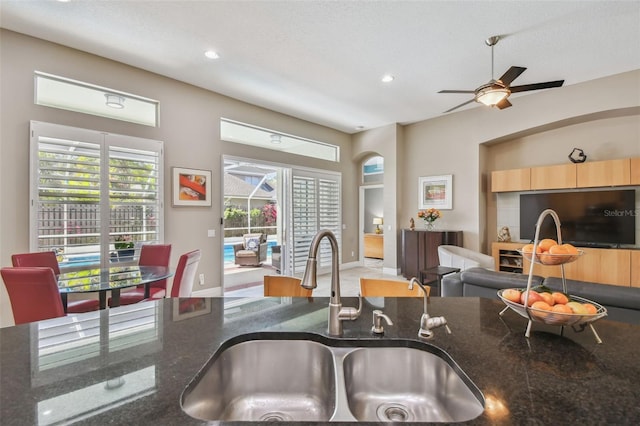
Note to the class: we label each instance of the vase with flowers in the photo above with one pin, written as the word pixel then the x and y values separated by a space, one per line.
pixel 429 216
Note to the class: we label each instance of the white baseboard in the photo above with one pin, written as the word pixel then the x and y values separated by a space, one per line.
pixel 391 271
pixel 350 265
pixel 208 292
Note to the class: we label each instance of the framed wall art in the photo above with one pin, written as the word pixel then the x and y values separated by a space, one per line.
pixel 191 187
pixel 436 192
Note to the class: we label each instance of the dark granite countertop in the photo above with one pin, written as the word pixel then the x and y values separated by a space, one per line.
pixel 129 365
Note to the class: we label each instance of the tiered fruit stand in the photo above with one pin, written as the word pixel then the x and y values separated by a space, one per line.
pixel 577 321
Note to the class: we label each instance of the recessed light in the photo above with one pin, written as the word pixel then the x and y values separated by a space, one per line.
pixel 387 78
pixel 211 54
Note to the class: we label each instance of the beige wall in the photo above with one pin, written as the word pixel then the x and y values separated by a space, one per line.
pixel 189 128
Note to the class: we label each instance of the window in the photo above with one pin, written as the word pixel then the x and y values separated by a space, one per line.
pixel 71 95
pixel 234 131
pixel 94 195
pixel 373 170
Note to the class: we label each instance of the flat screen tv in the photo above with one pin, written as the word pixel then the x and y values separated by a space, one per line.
pixel 587 218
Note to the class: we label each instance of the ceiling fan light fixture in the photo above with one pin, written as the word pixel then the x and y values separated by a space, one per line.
pixel 114 101
pixel 492 95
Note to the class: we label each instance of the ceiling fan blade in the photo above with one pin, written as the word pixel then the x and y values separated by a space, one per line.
pixel 536 86
pixel 503 104
pixel 457 91
pixel 511 74
pixel 458 106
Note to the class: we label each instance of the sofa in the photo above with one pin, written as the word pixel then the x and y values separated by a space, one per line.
pixel 622 303
pixel 463 258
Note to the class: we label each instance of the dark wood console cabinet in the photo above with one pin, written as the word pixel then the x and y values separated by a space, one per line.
pixel 420 249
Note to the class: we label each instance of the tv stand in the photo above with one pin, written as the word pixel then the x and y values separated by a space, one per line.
pixel 607 265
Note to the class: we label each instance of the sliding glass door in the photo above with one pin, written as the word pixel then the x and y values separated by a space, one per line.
pixel 287 205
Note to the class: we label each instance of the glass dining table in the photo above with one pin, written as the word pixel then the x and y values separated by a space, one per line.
pixel 111 279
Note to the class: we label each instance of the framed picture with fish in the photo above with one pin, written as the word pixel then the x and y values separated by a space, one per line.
pixel 191 187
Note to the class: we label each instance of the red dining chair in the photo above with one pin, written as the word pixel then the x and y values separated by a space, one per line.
pixel 33 293
pixel 150 255
pixel 185 274
pixel 48 259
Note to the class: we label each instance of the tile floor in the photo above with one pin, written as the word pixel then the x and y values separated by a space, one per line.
pixel 349 281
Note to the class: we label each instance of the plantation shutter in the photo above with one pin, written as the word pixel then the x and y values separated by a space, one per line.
pixel 89 187
pixel 314 205
pixel 134 192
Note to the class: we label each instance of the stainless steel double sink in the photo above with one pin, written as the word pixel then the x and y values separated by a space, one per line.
pixel 309 377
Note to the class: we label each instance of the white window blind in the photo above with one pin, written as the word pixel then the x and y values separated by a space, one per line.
pixel 89 189
pixel 315 205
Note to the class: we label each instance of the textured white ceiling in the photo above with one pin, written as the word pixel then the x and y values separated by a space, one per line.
pixel 322 61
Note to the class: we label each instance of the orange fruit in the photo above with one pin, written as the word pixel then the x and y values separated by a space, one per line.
pixel 543 306
pixel 528 249
pixel 562 309
pixel 570 249
pixel 559 298
pixel 547 243
pixel 548 298
pixel 591 309
pixel 558 249
pixel 555 255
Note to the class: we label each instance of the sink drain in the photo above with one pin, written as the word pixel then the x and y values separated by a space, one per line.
pixel 275 416
pixel 394 412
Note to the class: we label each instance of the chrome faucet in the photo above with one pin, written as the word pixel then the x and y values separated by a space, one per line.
pixel 337 313
pixel 428 323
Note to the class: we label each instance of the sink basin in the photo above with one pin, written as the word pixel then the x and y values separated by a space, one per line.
pixel 406 385
pixel 265 380
pixel 273 376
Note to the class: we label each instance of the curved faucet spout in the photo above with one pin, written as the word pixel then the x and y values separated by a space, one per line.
pixel 309 281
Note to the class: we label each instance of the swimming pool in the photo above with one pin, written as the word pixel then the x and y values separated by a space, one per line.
pixel 86 260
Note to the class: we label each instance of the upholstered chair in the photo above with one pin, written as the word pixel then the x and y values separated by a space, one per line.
pixel 48 259
pixel 33 293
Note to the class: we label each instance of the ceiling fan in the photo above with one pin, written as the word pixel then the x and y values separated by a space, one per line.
pixel 496 92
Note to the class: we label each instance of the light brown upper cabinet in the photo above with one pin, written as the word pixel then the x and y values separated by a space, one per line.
pixel 604 173
pixel 511 180
pixel 553 177
pixel 635 171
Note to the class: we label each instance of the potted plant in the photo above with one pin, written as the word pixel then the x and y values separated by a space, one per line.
pixel 124 247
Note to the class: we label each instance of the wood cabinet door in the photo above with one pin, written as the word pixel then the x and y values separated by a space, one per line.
pixel 604 173
pixel 635 268
pixel 420 249
pixel 603 266
pixel 553 177
pixel 374 246
pixel 635 171
pixel 410 254
pixel 511 180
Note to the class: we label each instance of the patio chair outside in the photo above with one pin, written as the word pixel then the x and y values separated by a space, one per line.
pixel 252 251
